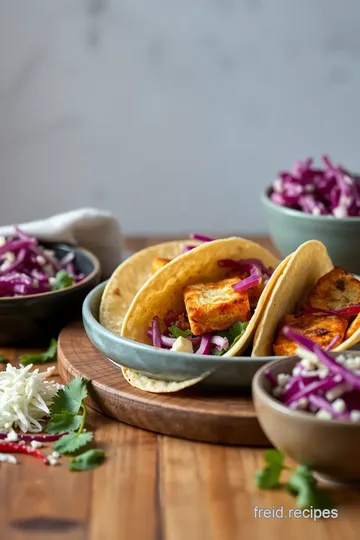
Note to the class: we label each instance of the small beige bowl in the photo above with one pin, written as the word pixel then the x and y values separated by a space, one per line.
pixel 329 447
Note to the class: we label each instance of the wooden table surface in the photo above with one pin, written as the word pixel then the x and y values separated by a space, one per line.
pixel 155 488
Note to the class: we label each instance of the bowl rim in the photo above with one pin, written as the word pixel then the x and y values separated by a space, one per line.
pixel 273 403
pixel 136 345
pixel 96 270
pixel 303 215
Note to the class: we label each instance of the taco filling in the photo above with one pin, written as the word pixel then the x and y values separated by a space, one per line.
pixel 328 316
pixel 216 314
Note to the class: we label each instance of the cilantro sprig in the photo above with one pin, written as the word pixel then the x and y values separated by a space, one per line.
pixel 62 280
pixel 68 416
pixel 176 332
pixel 301 483
pixel 40 358
pixel 233 334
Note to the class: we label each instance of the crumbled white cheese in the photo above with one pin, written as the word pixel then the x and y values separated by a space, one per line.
pixel 277 391
pixel 2 241
pixel 40 260
pixel 36 444
pixel 52 280
pixel 25 397
pixel 339 405
pixel 56 455
pixel 323 372
pixel 322 413
pixel 182 345
pixel 355 416
pixel 12 436
pixel 8 458
pixel 302 403
pixel 52 460
pixel 283 379
pixel 296 371
pixel 10 256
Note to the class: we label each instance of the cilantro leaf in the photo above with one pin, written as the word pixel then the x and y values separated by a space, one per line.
pixel 87 460
pixel 65 421
pixel 177 332
pixel 71 442
pixel 234 333
pixel 40 358
pixel 62 280
pixel 303 484
pixel 269 477
pixel 3 360
pixel 70 397
pixel 218 352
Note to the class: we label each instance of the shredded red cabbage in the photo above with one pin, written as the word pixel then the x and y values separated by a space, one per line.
pixel 204 347
pixel 344 312
pixel 329 191
pixel 201 237
pixel 28 268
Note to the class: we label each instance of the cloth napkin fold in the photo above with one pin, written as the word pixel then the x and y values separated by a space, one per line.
pixel 90 228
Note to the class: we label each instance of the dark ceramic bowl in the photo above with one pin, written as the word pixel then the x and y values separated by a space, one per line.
pixel 289 228
pixel 36 318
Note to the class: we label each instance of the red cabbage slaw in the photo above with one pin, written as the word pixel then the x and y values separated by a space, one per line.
pixel 319 383
pixel 28 268
pixel 331 191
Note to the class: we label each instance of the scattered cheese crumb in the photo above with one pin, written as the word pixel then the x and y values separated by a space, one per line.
pixel 8 458
pixel 277 391
pixel 325 415
pixel 56 455
pixel 41 260
pixel 12 436
pixel 282 379
pixel 339 405
pixel 355 416
pixel 302 403
pixel 36 444
pixel 52 460
pixel 2 241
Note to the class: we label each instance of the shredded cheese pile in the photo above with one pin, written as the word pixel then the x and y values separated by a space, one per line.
pixel 25 397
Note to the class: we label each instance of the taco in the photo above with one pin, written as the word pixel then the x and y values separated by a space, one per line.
pixel 314 298
pixel 207 301
pixel 131 275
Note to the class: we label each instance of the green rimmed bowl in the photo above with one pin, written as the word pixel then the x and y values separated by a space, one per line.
pixel 164 364
pixel 289 228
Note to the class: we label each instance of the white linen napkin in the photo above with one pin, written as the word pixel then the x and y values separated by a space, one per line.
pixel 95 230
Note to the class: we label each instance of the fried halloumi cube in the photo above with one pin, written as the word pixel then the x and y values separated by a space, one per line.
pixel 336 290
pixel 319 328
pixel 158 263
pixel 215 306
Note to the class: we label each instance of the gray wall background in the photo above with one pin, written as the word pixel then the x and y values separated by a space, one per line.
pixel 173 114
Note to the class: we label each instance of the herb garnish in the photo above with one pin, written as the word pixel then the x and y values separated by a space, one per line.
pixel 301 483
pixel 177 332
pixel 62 280
pixel 40 358
pixel 68 415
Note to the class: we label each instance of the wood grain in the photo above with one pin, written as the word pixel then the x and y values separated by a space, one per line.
pixel 191 414
pixel 154 487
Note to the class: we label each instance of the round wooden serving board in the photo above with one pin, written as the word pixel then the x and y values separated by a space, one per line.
pixel 195 413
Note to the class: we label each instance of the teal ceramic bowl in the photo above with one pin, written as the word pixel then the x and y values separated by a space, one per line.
pixel 164 364
pixel 36 318
pixel 290 228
